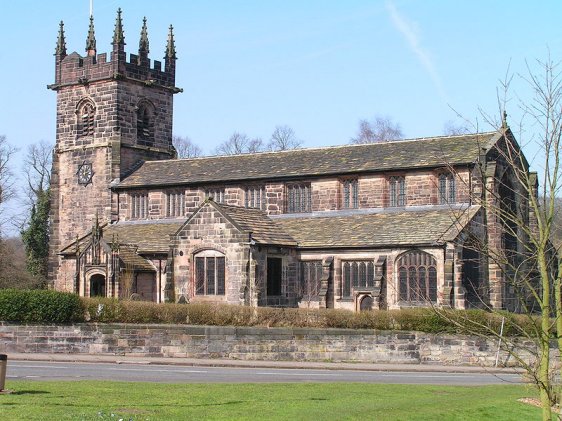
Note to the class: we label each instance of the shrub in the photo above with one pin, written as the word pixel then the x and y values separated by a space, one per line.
pixel 427 320
pixel 40 306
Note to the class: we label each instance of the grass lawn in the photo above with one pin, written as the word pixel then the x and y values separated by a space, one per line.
pixel 101 400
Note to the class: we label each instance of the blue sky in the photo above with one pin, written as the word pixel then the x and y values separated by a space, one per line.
pixel 317 66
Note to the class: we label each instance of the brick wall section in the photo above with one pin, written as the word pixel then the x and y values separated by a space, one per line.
pixel 275 194
pixel 372 191
pixel 325 195
pixel 420 188
pixel 251 343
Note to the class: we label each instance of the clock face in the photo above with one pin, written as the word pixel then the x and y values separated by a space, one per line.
pixel 85 173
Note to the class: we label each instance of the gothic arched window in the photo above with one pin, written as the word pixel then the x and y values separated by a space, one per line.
pixel 86 114
pixel 145 123
pixel 417 277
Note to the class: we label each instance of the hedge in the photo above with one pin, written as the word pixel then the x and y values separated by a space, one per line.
pixel 427 320
pixel 40 306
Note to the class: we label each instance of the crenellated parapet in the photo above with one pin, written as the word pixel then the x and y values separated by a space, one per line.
pixel 74 69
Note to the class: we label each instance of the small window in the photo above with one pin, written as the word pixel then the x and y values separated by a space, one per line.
pixel 447 189
pixel 217 194
pixel 397 191
pixel 139 206
pixel 209 273
pixel 417 277
pixel 175 204
pixel 86 114
pixel 350 194
pixel 299 198
pixel 357 275
pixel 255 198
pixel 310 278
pixel 145 123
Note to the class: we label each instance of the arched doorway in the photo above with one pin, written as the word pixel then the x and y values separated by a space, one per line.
pixel 366 303
pixel 97 285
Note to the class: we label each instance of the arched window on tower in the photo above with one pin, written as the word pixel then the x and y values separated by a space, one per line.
pixel 85 116
pixel 145 123
pixel 417 277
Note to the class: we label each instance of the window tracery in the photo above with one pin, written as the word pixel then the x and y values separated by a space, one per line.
pixel 86 114
pixel 417 277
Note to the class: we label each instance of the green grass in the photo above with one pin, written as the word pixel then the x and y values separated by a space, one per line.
pixel 100 400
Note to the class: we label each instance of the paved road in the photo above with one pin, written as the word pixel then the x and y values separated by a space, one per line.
pixel 181 374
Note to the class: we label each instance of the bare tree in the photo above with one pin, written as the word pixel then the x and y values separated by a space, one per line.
pixel 452 128
pixel 126 279
pixel 34 226
pixel 7 151
pixel 240 143
pixel 381 129
pixel 521 251
pixel 37 169
pixel 13 273
pixel 185 147
pixel 283 138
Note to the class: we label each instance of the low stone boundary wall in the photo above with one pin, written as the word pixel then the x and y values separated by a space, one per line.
pixel 252 343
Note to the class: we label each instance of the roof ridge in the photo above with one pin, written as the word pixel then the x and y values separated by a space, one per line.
pixel 315 148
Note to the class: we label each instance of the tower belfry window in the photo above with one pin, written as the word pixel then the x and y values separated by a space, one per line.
pixel 145 123
pixel 86 115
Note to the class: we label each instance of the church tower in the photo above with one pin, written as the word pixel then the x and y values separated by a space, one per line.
pixel 112 114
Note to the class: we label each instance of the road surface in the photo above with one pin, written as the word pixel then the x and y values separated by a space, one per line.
pixel 186 374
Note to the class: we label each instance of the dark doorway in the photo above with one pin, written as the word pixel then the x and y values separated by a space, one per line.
pixel 274 272
pixel 366 303
pixel 471 277
pixel 97 286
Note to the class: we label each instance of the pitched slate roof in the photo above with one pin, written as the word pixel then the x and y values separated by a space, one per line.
pixel 416 153
pixel 384 229
pixel 255 221
pixel 128 254
pixel 149 236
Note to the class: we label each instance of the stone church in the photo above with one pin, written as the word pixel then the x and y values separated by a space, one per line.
pixel 385 225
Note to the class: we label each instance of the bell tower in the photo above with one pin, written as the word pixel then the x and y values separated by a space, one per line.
pixel 111 115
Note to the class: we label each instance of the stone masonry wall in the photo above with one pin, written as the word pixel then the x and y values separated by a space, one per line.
pixel 209 230
pixel 250 343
